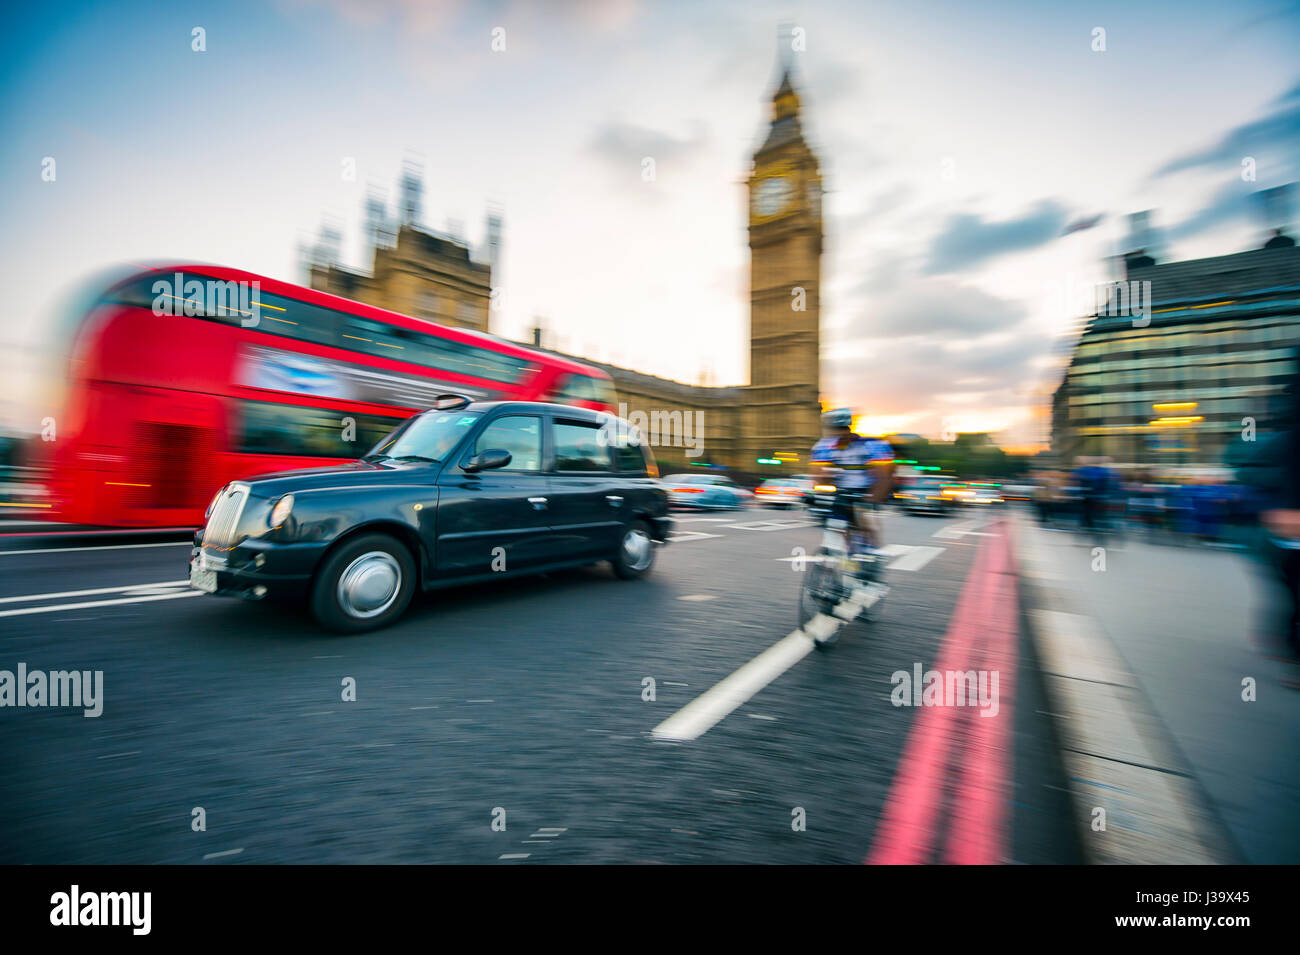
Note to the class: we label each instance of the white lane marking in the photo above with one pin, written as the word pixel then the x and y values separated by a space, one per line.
pixel 701 520
pixel 907 556
pixel 771 525
pixel 711 707
pixel 961 529
pixel 698 597
pixel 666 683
pixel 68 550
pixel 917 558
pixel 759 716
pixel 515 855
pixel 690 536
pixel 227 852
pixel 86 605
pixel 955 530
pixel 31 598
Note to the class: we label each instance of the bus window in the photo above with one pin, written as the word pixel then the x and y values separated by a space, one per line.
pixel 269 428
pixel 585 388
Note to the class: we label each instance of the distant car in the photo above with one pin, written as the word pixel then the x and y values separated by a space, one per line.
pixel 784 492
pixel 469 491
pixel 980 492
pixel 706 492
pixel 1018 492
pixel 925 496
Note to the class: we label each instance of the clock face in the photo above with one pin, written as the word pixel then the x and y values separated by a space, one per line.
pixel 772 195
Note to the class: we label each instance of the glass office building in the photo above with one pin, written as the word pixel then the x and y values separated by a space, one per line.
pixel 1181 359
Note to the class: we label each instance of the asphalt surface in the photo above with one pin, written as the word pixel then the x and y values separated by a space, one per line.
pixel 522 695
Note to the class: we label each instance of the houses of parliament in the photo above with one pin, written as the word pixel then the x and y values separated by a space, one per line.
pixel 775 415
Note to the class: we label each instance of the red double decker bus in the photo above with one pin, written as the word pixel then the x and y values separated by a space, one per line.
pixel 185 377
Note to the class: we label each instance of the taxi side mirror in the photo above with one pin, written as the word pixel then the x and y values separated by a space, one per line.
pixel 488 460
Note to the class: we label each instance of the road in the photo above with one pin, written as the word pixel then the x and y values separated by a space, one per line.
pixel 522 702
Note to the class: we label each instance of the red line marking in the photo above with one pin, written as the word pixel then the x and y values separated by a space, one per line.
pixel 976 637
pixel 978 833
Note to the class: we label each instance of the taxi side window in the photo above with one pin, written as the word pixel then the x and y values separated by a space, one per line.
pixel 521 435
pixel 579 447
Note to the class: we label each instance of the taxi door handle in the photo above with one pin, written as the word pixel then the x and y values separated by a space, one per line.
pixel 539 503
pixel 614 500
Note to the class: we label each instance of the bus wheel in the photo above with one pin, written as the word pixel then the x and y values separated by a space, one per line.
pixel 364 585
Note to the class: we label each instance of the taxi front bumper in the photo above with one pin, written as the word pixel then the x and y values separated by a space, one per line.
pixel 254 568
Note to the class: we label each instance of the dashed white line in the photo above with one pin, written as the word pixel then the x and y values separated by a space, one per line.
pixel 227 852
pixel 710 708
pixel 32 598
pixel 100 603
pixel 514 855
pixel 915 559
pixel 714 705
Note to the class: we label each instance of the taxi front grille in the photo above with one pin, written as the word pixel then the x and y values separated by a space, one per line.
pixel 224 521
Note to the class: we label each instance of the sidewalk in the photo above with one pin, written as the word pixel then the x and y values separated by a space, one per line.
pixel 1144 662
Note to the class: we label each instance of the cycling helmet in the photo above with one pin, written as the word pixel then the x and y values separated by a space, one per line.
pixel 838 418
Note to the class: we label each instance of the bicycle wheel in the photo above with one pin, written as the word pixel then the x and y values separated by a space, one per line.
pixel 819 591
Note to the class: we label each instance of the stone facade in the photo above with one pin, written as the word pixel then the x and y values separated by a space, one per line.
pixel 423 275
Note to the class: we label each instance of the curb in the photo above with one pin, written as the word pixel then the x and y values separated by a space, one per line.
pixel 1119 758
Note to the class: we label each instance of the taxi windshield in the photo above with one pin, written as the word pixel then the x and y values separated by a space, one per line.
pixel 429 437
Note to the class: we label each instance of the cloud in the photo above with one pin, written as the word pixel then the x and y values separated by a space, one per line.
pixel 935 347
pixel 966 240
pixel 622 143
pixel 935 305
pixel 929 377
pixel 1275 134
pixel 1231 203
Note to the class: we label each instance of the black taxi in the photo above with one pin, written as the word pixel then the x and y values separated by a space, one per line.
pixel 466 491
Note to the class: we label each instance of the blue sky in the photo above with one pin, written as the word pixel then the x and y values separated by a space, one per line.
pixel 957 141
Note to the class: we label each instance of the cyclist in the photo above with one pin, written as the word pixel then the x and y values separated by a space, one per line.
pixel 863 472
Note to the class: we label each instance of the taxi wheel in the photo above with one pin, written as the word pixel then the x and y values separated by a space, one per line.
pixel 364 585
pixel 636 551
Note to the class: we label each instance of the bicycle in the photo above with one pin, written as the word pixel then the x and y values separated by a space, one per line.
pixel 837 583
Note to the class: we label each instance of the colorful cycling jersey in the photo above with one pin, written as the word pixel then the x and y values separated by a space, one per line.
pixel 852 463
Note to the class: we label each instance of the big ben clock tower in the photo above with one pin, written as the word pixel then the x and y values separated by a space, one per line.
pixel 785 242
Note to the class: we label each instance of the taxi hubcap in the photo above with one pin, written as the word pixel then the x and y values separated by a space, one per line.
pixel 637 549
pixel 369 585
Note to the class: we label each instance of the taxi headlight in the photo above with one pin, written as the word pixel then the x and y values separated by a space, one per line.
pixel 283 508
